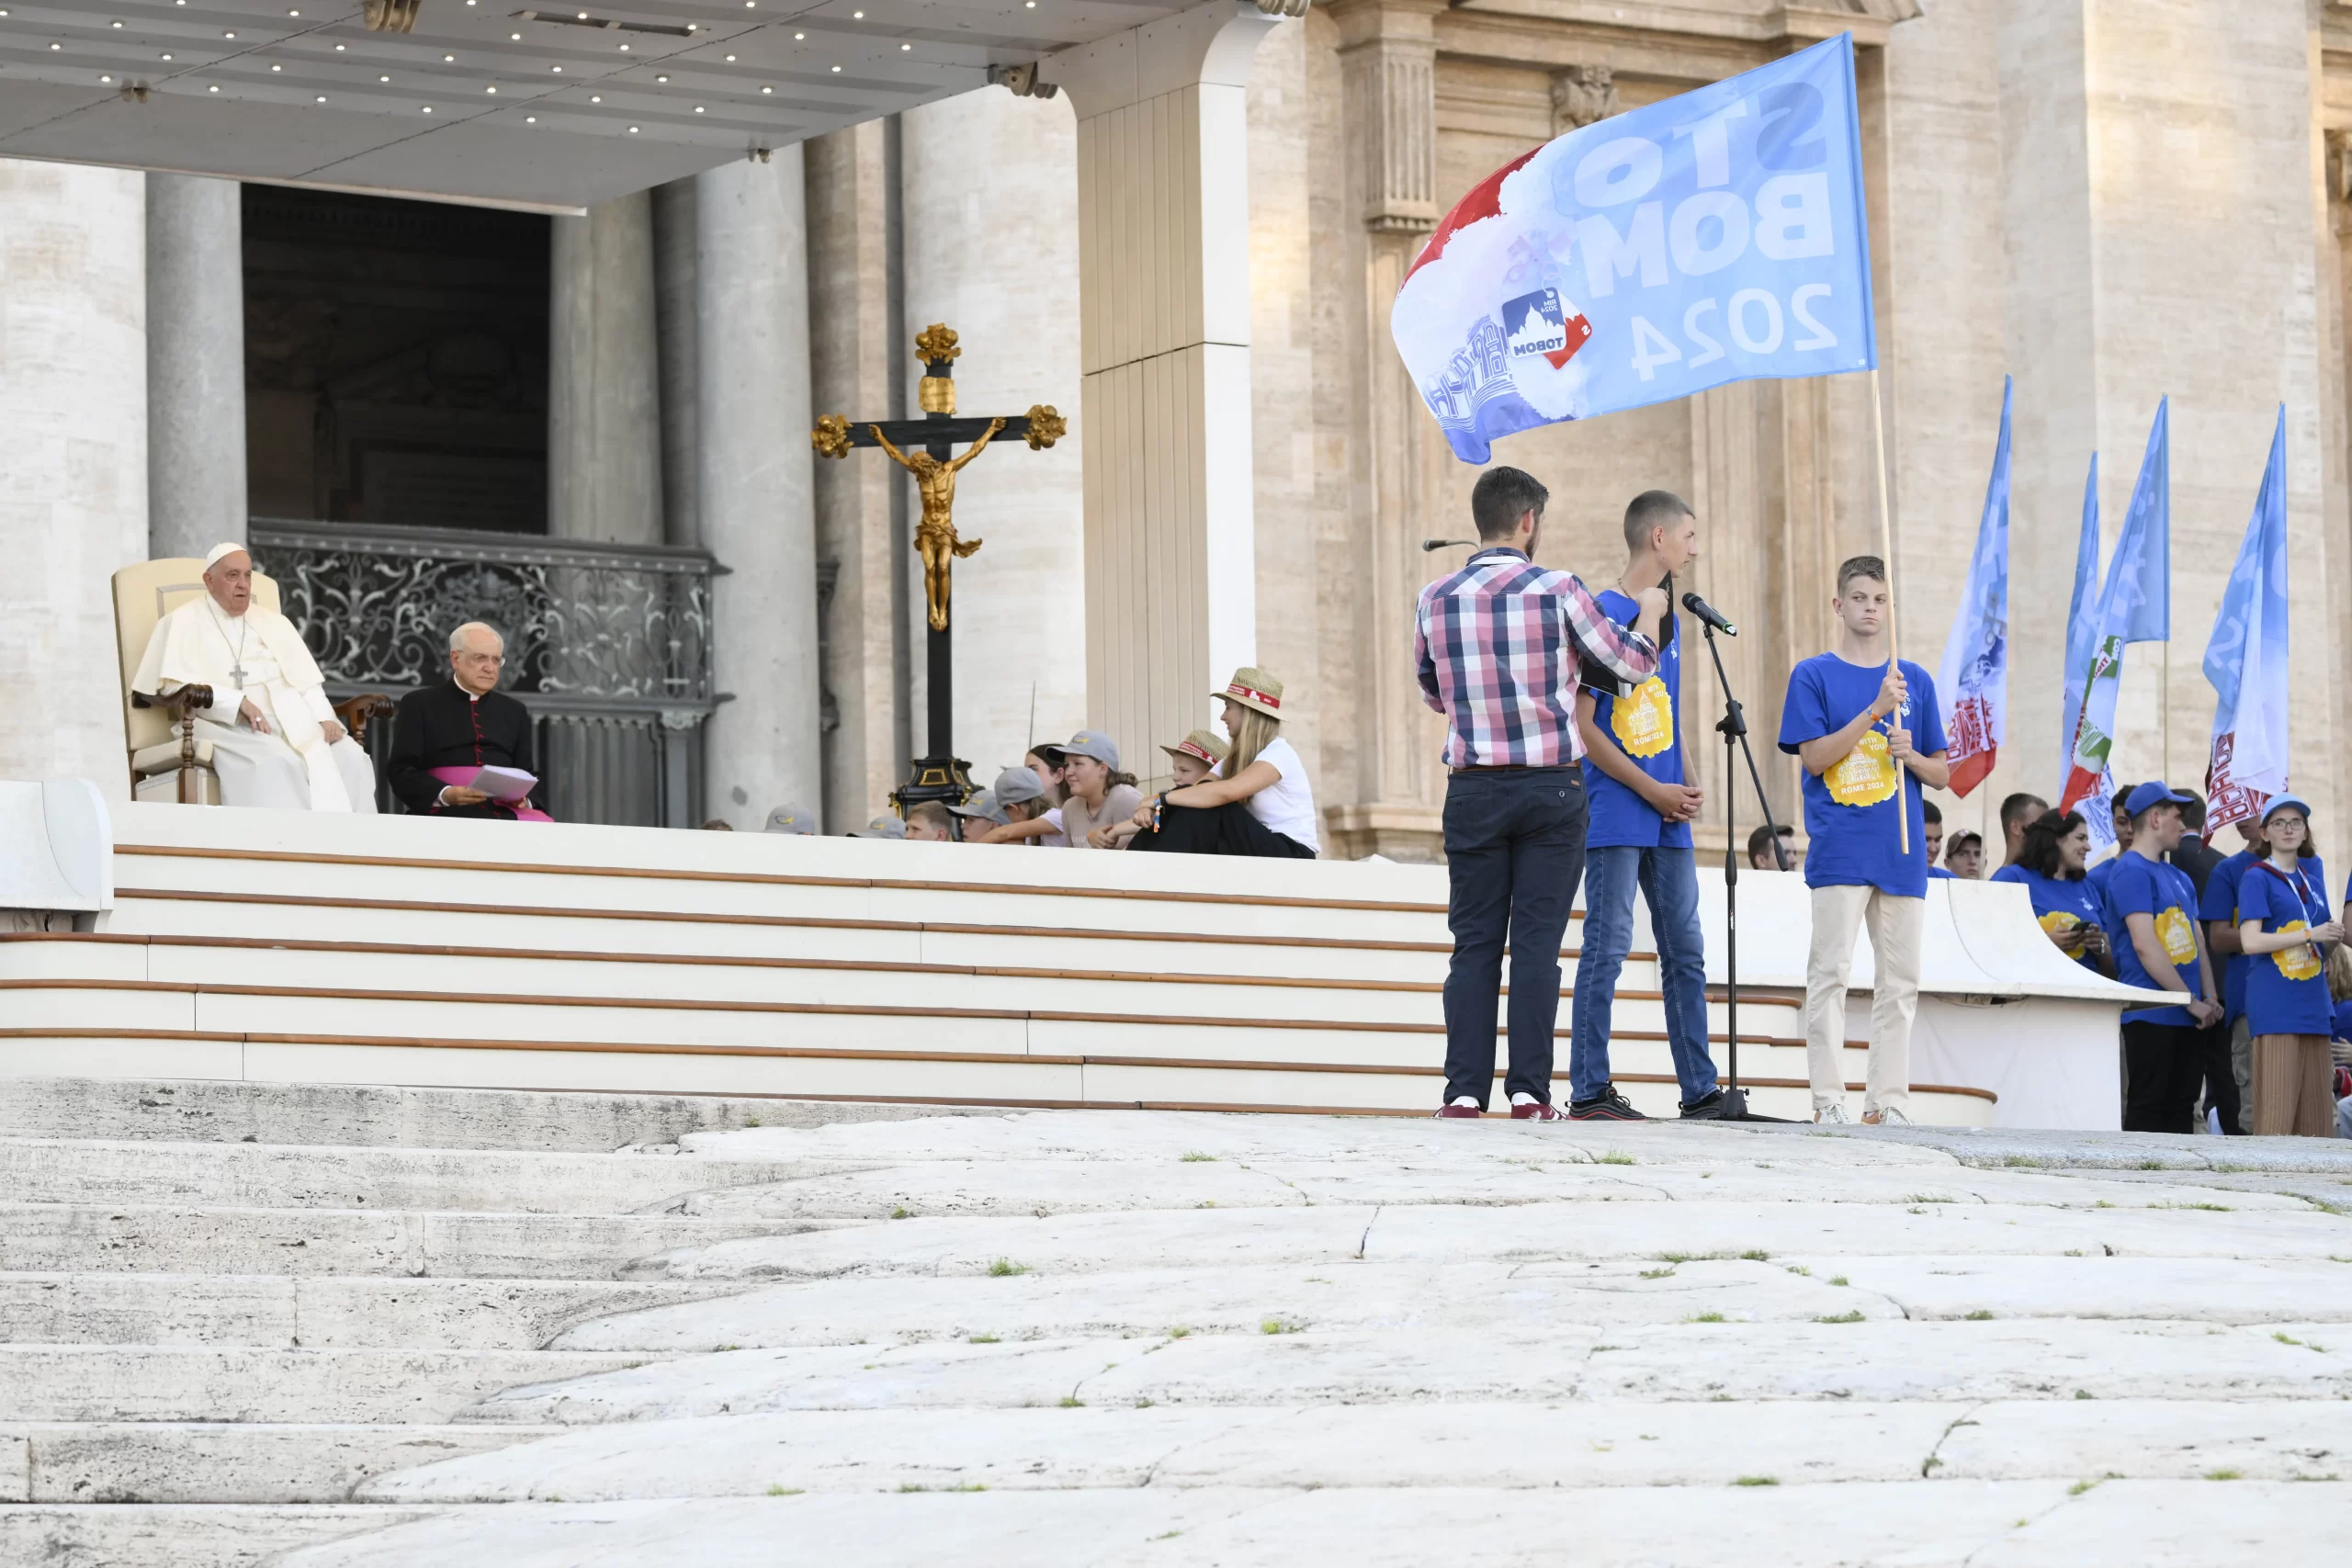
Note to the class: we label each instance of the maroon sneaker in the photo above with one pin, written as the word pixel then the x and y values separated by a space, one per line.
pixel 1538 1114
pixel 1450 1112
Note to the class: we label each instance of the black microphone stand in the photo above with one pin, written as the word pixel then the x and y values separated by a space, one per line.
pixel 1733 727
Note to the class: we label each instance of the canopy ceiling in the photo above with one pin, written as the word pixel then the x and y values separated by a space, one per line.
pixel 491 100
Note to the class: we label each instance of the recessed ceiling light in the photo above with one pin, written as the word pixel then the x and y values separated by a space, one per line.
pixel 767 89
pixel 62 45
pixel 517 36
pixel 228 35
pixel 491 91
pixel 109 24
pixel 624 49
pixel 557 69
pixel 446 60
pixel 106 78
pixel 338 49
pixel 730 59
pixel 273 68
pixel 428 108
pixel 632 130
pixel 859 14
pixel 214 88
pixel 904 47
pixel 166 57
pixel 383 78
pixel 293 13
pixel 321 98
pixel 837 69
pixel 660 78
pixel 697 109
pixel 596 97
pixel 800 35
pixel 530 119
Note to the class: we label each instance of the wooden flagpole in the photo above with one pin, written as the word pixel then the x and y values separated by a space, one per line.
pixel 1886 555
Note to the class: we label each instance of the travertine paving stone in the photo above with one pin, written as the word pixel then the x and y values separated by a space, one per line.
pixel 1162 1338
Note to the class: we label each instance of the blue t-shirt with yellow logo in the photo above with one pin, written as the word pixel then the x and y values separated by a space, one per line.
pixel 2063 906
pixel 2139 885
pixel 1648 726
pixel 2286 993
pixel 1849 811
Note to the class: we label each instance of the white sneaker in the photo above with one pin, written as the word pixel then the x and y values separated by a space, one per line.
pixel 1885 1116
pixel 1830 1115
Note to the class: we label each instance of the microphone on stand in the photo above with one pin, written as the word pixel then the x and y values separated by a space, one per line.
pixel 1445 543
pixel 1706 613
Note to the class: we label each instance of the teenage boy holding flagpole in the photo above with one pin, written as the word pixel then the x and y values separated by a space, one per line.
pixel 1848 718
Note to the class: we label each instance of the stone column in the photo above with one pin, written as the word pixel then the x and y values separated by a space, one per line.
pixel 853 262
pixel 73 401
pixel 1000 273
pixel 1388 65
pixel 751 309
pixel 196 364
pixel 604 378
pixel 1163 291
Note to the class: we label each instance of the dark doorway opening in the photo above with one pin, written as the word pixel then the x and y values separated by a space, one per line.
pixel 396 361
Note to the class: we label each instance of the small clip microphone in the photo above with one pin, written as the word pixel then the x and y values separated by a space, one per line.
pixel 1445 543
pixel 1709 614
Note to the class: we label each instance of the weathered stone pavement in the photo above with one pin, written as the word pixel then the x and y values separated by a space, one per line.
pixel 1091 1339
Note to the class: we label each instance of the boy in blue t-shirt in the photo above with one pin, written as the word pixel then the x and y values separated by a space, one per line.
pixel 1863 726
pixel 2152 924
pixel 2217 905
pixel 1639 836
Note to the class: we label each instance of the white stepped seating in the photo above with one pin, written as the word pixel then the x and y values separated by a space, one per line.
pixel 393 950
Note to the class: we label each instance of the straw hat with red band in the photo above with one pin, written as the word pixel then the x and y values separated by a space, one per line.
pixel 1202 746
pixel 1253 688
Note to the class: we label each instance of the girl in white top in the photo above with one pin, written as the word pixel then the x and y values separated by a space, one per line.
pixel 1261 803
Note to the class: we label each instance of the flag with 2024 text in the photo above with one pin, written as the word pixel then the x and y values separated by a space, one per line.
pixel 1973 679
pixel 1718 236
pixel 2135 605
pixel 2246 659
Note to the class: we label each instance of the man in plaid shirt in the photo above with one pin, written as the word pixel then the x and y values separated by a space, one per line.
pixel 1499 645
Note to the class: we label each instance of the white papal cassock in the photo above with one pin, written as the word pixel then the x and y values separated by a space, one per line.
pixel 259 655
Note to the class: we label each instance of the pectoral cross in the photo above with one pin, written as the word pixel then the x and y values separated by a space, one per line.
pixel 942 775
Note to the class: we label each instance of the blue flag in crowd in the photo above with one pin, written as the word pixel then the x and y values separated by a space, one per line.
pixel 2134 607
pixel 1973 679
pixel 2246 659
pixel 1717 236
pixel 2082 627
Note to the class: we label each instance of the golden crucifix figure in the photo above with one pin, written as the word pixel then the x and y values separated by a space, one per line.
pixel 936 534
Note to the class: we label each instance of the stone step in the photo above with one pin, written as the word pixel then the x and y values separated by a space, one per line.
pixel 148 1382
pixel 225 1461
pixel 276 1312
pixel 200 1536
pixel 70 1238
pixel 377 1115
pixel 276 1177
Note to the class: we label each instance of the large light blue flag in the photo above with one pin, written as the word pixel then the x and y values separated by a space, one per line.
pixel 1972 682
pixel 2134 607
pixel 1713 237
pixel 2246 659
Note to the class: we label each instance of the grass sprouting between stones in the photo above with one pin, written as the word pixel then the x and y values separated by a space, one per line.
pixel 1278 1325
pixel 2224 1475
pixel 781 1490
pixel 1838 1279
pixel 1005 1268
pixel 1855 1316
pixel 1757 1480
pixel 1979 1315
pixel 2079 1487
pixel 1071 1402
pixel 1665 1273
pixel 1179 1332
pixel 1196 1156
pixel 982 1340
pixel 1704 1317
pixel 967 1486
pixel 1613 1156
pixel 902 1212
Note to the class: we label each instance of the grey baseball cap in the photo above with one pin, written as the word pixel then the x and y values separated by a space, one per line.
pixel 791 818
pixel 982 804
pixel 885 826
pixel 1015 786
pixel 1095 744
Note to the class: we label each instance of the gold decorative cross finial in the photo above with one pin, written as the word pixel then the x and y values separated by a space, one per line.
pixel 937 341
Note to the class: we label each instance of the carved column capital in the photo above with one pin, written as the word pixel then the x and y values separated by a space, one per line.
pixel 1581 94
pixel 1388 64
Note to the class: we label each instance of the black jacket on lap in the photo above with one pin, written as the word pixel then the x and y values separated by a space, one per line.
pixel 444 726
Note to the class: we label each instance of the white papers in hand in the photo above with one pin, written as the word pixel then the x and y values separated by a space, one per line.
pixel 504 785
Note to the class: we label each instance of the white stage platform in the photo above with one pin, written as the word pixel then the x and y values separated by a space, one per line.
pixel 396 950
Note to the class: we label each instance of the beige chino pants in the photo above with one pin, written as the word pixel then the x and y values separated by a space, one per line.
pixel 1895 924
pixel 2293 1075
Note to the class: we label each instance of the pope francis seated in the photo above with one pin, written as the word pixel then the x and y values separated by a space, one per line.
pixel 276 740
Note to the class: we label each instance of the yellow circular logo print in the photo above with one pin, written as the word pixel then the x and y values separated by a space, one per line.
pixel 1863 776
pixel 2297 963
pixel 2066 929
pixel 2177 935
pixel 1643 723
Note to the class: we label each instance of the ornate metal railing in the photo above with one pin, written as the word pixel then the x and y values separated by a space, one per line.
pixel 608 645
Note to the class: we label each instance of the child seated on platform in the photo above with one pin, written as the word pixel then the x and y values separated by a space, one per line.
pixel 1190 762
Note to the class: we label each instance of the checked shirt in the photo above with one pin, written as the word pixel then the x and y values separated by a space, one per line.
pixel 1498 644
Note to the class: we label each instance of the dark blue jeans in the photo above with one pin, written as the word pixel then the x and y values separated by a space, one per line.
pixel 1669 879
pixel 1514 852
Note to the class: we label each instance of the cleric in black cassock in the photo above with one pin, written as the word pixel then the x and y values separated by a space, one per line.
pixel 467 722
